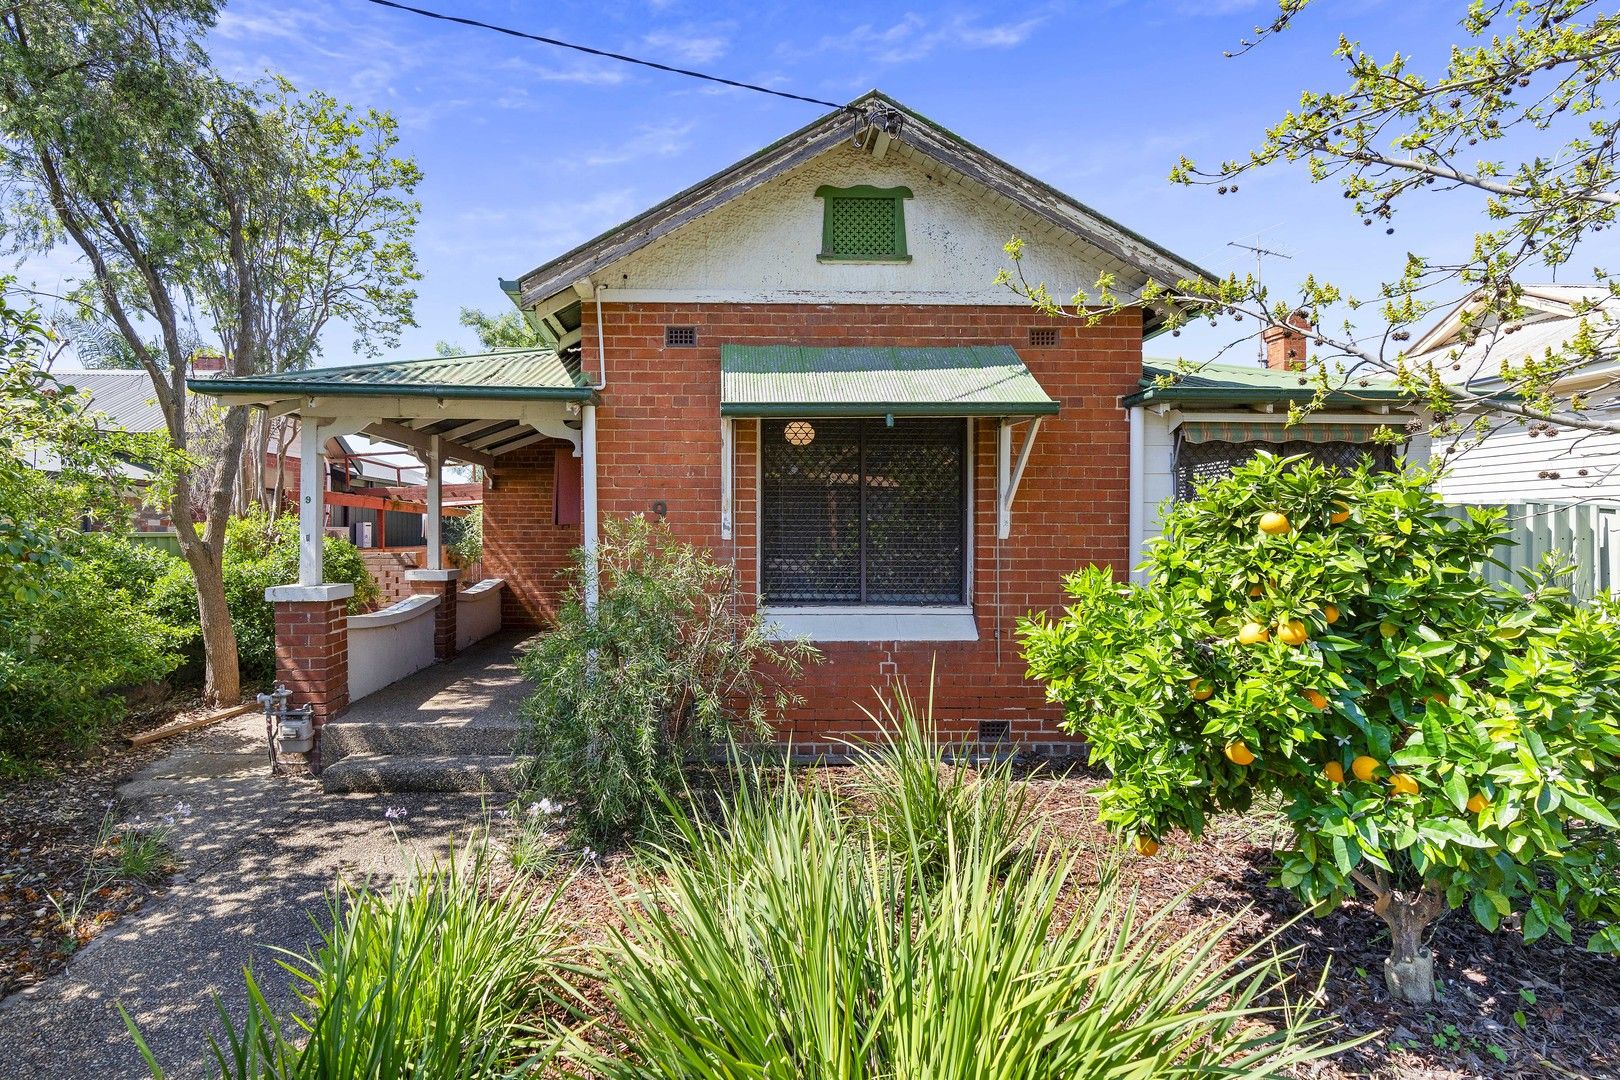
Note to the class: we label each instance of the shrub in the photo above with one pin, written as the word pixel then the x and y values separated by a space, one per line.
pixel 69 648
pixel 260 552
pixel 464 537
pixel 438 978
pixel 666 669
pixel 1327 640
pixel 775 943
pixel 921 799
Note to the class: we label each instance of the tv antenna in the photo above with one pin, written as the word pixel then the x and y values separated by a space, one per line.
pixel 1260 253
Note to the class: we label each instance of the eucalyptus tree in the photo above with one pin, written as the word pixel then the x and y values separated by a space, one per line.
pixel 198 206
pixel 1518 119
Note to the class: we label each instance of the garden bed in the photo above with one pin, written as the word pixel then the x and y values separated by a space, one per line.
pixel 1506 1010
pixel 51 826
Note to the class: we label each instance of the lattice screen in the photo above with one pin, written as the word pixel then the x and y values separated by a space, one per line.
pixel 1199 463
pixel 862 228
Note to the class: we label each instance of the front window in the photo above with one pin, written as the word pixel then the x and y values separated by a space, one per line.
pixel 857 511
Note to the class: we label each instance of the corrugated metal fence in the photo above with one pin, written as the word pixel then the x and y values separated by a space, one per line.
pixel 1588 532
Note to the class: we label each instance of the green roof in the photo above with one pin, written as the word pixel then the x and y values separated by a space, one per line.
pixel 1246 383
pixel 537 374
pixel 802 380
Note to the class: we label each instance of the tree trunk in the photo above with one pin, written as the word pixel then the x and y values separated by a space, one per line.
pixel 222 683
pixel 1409 968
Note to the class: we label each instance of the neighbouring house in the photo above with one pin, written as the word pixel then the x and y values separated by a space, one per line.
pixel 805 364
pixel 1195 422
pixel 375 490
pixel 1518 462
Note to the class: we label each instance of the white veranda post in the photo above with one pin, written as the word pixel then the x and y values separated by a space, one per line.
pixel 588 538
pixel 435 504
pixel 311 502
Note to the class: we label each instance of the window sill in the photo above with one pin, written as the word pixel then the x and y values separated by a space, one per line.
pixel 872 623
pixel 858 260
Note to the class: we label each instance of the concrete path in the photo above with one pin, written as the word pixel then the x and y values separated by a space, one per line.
pixel 259 855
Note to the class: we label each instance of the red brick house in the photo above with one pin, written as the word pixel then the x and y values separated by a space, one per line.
pixel 804 363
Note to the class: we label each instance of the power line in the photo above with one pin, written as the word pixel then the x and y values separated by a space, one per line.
pixel 605 54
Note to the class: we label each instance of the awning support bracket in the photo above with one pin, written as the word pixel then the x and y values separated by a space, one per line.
pixel 1009 475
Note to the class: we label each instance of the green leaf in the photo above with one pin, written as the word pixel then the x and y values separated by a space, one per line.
pixel 1591 810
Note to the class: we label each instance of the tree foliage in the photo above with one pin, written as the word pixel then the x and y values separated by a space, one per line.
pixel 1518 118
pixel 1439 740
pixel 508 330
pixel 197 204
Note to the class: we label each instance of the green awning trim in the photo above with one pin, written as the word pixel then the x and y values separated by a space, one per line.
pixel 1204 431
pixel 1250 384
pixel 804 380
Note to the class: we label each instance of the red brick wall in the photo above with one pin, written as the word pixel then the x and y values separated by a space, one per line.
pixel 521 545
pixel 312 654
pixel 389 569
pixel 659 440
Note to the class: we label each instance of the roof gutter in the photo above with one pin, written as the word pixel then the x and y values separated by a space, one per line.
pixel 220 387
pixel 1230 395
pixel 886 408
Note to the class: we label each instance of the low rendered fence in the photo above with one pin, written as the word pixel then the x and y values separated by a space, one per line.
pixel 1588 533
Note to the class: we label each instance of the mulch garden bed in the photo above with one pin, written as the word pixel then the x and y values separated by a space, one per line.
pixel 1507 1010
pixel 49 828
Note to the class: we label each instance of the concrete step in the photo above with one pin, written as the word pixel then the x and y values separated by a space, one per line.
pixel 341 738
pixel 423 772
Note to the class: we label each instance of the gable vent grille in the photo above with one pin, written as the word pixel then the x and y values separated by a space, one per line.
pixel 1043 337
pixel 680 337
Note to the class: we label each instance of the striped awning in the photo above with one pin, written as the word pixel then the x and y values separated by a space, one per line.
pixel 1230 431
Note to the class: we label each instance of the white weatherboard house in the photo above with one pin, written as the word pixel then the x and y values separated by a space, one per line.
pixel 1514 463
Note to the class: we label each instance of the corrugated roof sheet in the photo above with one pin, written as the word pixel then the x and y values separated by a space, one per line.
pixel 523 373
pixel 1479 364
pixel 1239 383
pixel 125 397
pixel 803 380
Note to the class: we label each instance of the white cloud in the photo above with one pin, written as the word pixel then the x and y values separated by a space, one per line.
pixel 687 45
pixel 651 140
pixel 916 36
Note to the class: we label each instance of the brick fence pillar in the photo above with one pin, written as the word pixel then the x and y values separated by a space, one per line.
pixel 312 650
pixel 440 583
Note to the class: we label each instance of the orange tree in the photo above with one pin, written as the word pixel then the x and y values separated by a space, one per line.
pixel 1327 641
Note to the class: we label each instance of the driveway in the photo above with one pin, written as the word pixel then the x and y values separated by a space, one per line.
pixel 259 855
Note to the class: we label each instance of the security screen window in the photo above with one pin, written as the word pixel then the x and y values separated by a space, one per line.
pixel 863 511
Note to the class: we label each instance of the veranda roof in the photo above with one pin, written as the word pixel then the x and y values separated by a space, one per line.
pixel 1250 384
pixel 804 380
pixel 528 374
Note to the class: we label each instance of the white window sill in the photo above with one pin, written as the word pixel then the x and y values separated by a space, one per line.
pixel 872 623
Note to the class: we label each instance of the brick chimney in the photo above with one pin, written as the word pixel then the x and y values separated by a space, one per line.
pixel 1285 345
pixel 204 361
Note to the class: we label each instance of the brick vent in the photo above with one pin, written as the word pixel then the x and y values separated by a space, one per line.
pixel 680 337
pixel 1043 337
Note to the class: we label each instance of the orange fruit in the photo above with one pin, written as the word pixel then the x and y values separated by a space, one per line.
pixel 1254 590
pixel 1252 633
pixel 1318 702
pixel 1364 767
pixel 1388 629
pixel 1334 772
pixel 1402 784
pixel 1146 845
pixel 1292 632
pixel 1330 614
pixel 1439 699
pixel 1340 515
pixel 1477 803
pixel 1274 524
pixel 1202 689
pixel 1239 754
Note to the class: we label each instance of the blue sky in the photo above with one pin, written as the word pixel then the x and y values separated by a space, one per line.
pixel 528 150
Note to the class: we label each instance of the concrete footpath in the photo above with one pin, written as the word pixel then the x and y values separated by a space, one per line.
pixel 259 855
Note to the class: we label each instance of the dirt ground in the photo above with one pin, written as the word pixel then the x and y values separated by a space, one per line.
pixel 1507 1011
pixel 49 827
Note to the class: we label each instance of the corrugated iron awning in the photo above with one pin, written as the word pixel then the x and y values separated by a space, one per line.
pixel 525 374
pixel 804 380
pixel 1204 431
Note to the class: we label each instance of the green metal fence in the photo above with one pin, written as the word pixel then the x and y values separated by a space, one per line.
pixel 165 540
pixel 1587 532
